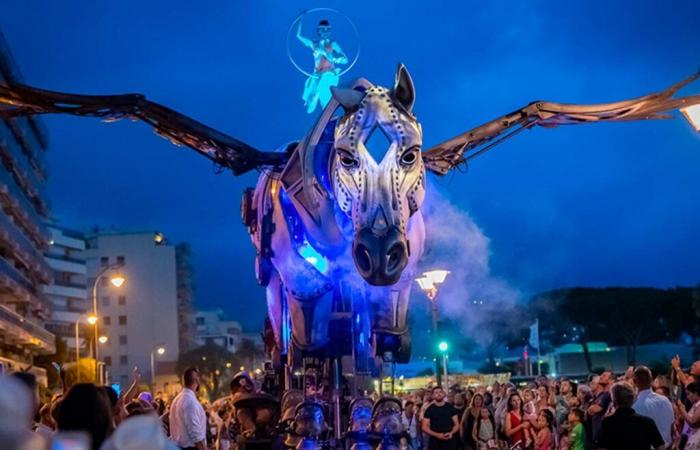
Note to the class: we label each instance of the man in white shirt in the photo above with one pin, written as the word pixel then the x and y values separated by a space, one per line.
pixel 188 422
pixel 650 404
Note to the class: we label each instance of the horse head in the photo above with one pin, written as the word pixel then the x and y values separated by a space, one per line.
pixel 379 194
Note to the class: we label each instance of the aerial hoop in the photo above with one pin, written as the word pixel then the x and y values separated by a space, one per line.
pixel 339 20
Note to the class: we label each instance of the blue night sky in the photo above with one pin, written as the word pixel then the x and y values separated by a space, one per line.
pixel 610 204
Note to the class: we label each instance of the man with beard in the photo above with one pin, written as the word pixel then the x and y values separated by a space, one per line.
pixel 440 422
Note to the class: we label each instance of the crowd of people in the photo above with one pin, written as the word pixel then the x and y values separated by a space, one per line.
pixel 632 411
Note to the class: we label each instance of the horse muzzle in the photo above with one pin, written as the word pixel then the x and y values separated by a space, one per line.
pixel 380 256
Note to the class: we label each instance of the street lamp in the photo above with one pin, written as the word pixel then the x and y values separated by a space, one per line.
pixel 692 113
pixel 443 347
pixel 117 279
pixel 103 339
pixel 92 320
pixel 159 349
pixel 429 283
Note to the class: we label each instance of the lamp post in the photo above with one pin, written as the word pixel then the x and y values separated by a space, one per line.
pixel 159 349
pixel 117 279
pixel 443 347
pixel 429 283
pixel 92 320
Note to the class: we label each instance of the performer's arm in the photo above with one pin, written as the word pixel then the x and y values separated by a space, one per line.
pixel 306 41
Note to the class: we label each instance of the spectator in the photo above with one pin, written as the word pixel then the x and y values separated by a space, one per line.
pixel 86 408
pixel 653 405
pixel 601 401
pixel 29 380
pixel 46 425
pixel 142 433
pixel 469 418
pixel 516 427
pixel 408 419
pixel 685 380
pixel 563 400
pixel 440 422
pixel 15 412
pixel 188 422
pixel 484 432
pixel 691 418
pixel 577 432
pixel 544 438
pixel 625 429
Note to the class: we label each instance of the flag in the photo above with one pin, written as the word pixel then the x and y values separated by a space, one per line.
pixel 535 335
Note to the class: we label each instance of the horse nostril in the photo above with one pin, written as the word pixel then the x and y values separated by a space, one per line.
pixel 394 257
pixel 363 258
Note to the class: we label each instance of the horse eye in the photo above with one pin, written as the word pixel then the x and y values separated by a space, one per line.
pixel 347 160
pixel 409 157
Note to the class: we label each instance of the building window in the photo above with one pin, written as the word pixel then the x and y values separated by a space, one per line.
pixel 108 360
pixel 104 261
pixel 120 260
pixel 107 321
pixel 122 300
pixel 122 320
pixel 199 320
pixel 123 360
pixel 105 301
pixel 122 340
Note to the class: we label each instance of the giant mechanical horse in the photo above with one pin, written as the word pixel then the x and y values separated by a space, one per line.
pixel 337 232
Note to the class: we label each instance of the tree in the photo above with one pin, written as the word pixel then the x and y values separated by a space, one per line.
pixel 86 373
pixel 215 365
pixel 61 357
pixel 249 353
pixel 627 317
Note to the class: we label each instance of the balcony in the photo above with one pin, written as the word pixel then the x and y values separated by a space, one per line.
pixel 63 264
pixel 20 289
pixel 24 175
pixel 23 210
pixel 26 137
pixel 63 289
pixel 22 249
pixel 18 331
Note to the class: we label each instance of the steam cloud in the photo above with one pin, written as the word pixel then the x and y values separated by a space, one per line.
pixel 454 242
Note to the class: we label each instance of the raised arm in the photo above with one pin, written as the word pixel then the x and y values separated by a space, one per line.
pixel 19 100
pixel 306 41
pixel 466 146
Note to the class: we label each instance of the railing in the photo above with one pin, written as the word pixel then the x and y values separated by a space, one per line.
pixel 31 184
pixel 69 284
pixel 66 259
pixel 35 330
pixel 32 258
pixel 16 276
pixel 23 209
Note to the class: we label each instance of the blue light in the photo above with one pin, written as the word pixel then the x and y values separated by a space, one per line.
pixel 313 257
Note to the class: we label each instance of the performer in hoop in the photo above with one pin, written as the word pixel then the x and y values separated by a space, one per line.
pixel 327 55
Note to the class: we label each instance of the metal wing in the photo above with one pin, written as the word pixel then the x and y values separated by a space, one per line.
pixel 19 100
pixel 461 149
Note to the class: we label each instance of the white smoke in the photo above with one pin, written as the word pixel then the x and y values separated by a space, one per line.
pixel 471 294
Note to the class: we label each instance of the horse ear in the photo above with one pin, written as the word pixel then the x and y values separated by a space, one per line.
pixel 349 99
pixel 403 90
